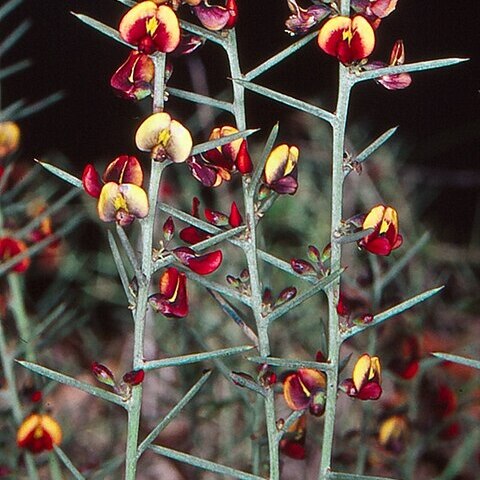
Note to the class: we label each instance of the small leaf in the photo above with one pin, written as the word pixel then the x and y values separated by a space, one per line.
pixel 408 67
pixel 211 144
pixel 105 29
pixel 469 362
pixel 67 177
pixel 72 382
pixel 287 100
pixel 396 310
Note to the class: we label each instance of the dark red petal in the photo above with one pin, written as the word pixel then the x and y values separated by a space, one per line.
pixel 378 246
pixel 301 267
pixel 243 161
pixel 193 235
pixel 285 185
pixel 235 218
pixel 206 264
pixel 292 449
pixel 135 377
pixel 202 172
pixel 91 181
pixel 370 391
pixel 294 393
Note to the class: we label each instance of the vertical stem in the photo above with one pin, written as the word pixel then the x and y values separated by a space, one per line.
pixel 20 315
pixel 140 314
pixel 250 250
pixel 334 340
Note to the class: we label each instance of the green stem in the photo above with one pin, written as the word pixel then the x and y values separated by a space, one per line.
pixel 22 323
pixel 135 402
pixel 250 250
pixel 147 270
pixel 334 338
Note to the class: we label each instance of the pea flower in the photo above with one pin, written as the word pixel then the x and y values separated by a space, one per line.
pixel 39 433
pixel 280 172
pixel 305 388
pixel 393 433
pixel 396 81
pixel 10 248
pixel 385 236
pixel 151 28
pixel 164 138
pixel 374 10
pixel 348 39
pixel 301 20
pixel 366 379
pixel 292 443
pixel 406 359
pixel 121 198
pixel 172 300
pixel 133 79
pixel 216 17
pixel 9 138
pixel 201 264
pixel 217 165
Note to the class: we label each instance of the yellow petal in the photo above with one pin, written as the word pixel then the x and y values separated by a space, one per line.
pixel 361 371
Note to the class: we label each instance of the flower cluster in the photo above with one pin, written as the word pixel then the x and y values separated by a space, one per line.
pixel 351 39
pixel 216 166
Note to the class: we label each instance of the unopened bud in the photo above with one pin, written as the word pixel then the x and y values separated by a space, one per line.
pixel 103 374
pixel 168 229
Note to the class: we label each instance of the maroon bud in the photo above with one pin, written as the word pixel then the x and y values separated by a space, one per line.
pixel 286 295
pixel 244 275
pixel 168 229
pixel 233 281
pixel 103 374
pixel 313 254
pixel 135 377
pixel 36 396
pixel 302 267
pixel 218 219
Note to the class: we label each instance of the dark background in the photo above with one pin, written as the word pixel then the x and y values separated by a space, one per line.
pixel 437 114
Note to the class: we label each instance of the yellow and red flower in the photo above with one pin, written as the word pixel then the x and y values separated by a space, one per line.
pixel 9 138
pixel 39 433
pixel 366 379
pixel 172 300
pixel 133 80
pixel 121 198
pixel 348 39
pixel 305 388
pixel 216 17
pixel 10 248
pixel 201 264
pixel 385 236
pixel 217 165
pixel 151 28
pixel 292 443
pixel 164 138
pixel 280 173
pixel 393 433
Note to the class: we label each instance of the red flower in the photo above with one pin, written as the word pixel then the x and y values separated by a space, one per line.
pixel 366 379
pixel 38 433
pixel 348 39
pixel 172 300
pixel 217 165
pixel 374 10
pixel 385 236
pixel 150 27
pixel 133 80
pixel 304 389
pixel 201 264
pixel 216 17
pixel 121 198
pixel 280 172
pixel 292 443
pixel 11 247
